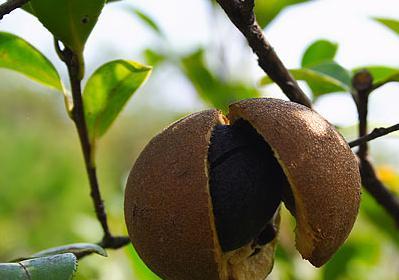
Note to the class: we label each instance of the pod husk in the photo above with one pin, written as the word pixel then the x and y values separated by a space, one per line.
pixel 168 209
pixel 321 168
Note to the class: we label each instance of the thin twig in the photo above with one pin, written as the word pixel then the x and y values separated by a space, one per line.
pixel 10 6
pixel 241 13
pixel 78 116
pixel 376 133
pixel 362 83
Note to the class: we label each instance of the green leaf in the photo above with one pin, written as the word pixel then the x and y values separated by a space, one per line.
pixel 60 267
pixel 154 57
pixel 335 71
pixel 70 21
pixel 392 24
pixel 319 52
pixel 108 90
pixel 267 10
pixel 321 83
pixel 212 89
pixel 148 21
pixel 381 74
pixel 18 55
pixel 320 72
pixel 77 249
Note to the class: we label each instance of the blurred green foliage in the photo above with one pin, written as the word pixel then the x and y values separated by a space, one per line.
pixel 44 199
pixel 392 24
pixel 212 88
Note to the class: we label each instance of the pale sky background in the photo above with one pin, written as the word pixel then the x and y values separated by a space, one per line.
pixel 190 24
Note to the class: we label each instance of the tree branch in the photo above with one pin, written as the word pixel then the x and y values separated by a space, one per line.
pixel 241 13
pixel 376 133
pixel 362 83
pixel 10 6
pixel 72 62
pixel 377 189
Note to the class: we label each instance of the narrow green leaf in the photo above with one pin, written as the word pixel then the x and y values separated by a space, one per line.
pixel 319 52
pixel 266 11
pixel 212 89
pixel 335 71
pixel 321 83
pixel 381 74
pixel 77 249
pixel 60 267
pixel 154 57
pixel 392 24
pixel 70 21
pixel 108 90
pixel 18 55
pixel 148 21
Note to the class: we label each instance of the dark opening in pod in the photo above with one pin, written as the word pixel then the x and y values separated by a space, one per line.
pixel 246 184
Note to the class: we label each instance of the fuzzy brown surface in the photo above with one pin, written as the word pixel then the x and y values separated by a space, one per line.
pixel 167 202
pixel 322 170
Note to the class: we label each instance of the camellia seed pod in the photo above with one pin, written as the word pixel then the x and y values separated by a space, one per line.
pixel 202 199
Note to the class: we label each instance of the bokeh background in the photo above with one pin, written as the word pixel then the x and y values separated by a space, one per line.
pixel 44 193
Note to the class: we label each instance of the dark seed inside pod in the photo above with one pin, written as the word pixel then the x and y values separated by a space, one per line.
pixel 246 184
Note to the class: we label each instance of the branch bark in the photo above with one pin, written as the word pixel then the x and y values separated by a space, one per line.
pixel 10 6
pixel 71 60
pixel 362 83
pixel 241 13
pixel 377 189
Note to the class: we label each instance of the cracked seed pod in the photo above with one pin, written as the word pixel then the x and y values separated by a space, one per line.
pixel 202 199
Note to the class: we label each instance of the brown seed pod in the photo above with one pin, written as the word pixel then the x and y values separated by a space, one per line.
pixel 184 215
pixel 320 167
